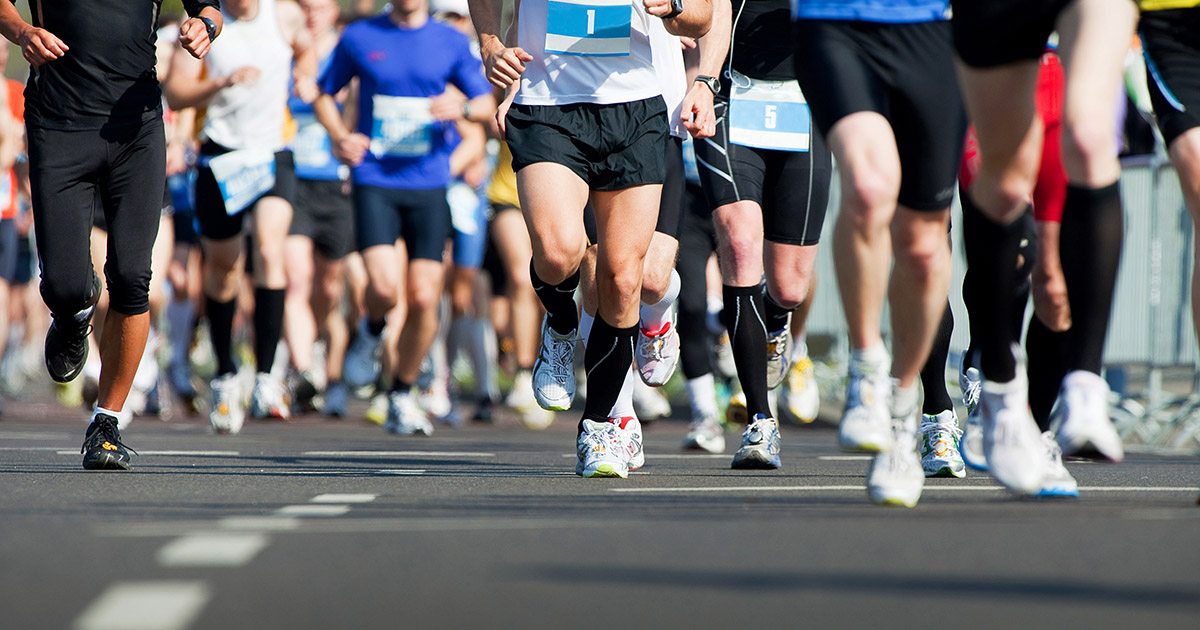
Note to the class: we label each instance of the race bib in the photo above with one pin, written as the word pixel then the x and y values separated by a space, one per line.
pixel 313 150
pixel 243 176
pixel 403 127
pixel 691 171
pixel 768 114
pixel 590 28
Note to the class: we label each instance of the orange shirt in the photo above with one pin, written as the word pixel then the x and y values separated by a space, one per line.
pixel 9 203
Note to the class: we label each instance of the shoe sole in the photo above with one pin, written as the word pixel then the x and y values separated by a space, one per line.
pixel 605 471
pixel 946 471
pixel 754 460
pixel 895 501
pixel 105 461
pixel 1057 493
pixel 861 447
pixel 696 446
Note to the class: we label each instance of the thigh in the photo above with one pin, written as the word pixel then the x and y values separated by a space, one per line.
pixel 425 223
pixel 728 172
pixel 623 223
pixel 552 200
pixel 837 70
pixel 797 194
pixel 376 217
pixel 64 174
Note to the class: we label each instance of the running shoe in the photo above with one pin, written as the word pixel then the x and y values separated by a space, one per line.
pixel 602 451
pixel 102 448
pixel 67 340
pixel 303 391
pixel 269 398
pixel 723 356
pixel 779 357
pixel 657 354
pixel 484 410
pixel 1012 443
pixel 554 369
pixel 939 440
pixel 377 409
pixel 760 446
pixel 1084 417
pixel 436 400
pixel 363 358
pixel 800 395
pixel 405 417
pixel 650 402
pixel 537 419
pixel 895 477
pixel 866 421
pixel 631 440
pixel 705 433
pixel 337 399
pixel 736 413
pixel 1058 482
pixel 970 381
pixel 971 444
pixel 227 413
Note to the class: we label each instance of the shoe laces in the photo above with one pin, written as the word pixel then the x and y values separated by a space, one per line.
pixel 935 431
pixel 105 430
pixel 652 347
pixel 560 356
pixel 1053 450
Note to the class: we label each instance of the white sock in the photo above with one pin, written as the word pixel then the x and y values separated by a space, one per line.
pixel 655 316
pixel 702 392
pixel 181 317
pixel 904 400
pixel 867 360
pixel 586 320
pixel 712 315
pixel 101 410
pixel 624 405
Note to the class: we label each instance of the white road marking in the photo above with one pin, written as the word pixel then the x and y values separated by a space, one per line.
pixel 266 523
pixel 845 458
pixel 343 498
pixel 57 449
pixel 961 488
pixel 433 454
pixel 399 471
pixel 308 509
pixel 212 550
pixel 161 605
pixel 173 453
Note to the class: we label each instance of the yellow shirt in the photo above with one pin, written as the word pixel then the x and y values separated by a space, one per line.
pixel 502 191
pixel 1163 5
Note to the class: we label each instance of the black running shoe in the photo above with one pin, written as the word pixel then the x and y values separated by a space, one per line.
pixel 483 413
pixel 67 340
pixel 102 448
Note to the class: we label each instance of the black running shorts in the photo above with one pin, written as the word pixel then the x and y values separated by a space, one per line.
pixel 324 214
pixel 989 34
pixel 420 217
pixel 1171 43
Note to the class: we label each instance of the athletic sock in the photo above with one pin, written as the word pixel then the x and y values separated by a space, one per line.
pixel 220 330
pixel 1046 366
pixel 268 326
pixel 799 347
pixel 776 317
pixel 624 405
pixel 743 317
pixel 904 400
pixel 869 360
pixel 181 318
pixel 559 300
pixel 991 251
pixel 933 375
pixel 655 316
pixel 1092 228
pixel 607 359
pixel 702 393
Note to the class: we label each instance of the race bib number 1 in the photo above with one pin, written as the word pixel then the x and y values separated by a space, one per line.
pixel 768 114
pixel 590 28
pixel 403 127
pixel 243 176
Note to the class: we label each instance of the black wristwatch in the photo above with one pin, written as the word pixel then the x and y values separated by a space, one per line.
pixel 713 83
pixel 676 9
pixel 209 26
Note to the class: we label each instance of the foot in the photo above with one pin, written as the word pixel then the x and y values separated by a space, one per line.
pixel 760 446
pixel 67 340
pixel 970 381
pixel 779 357
pixel 601 451
pixel 337 399
pixel 650 403
pixel 1057 482
pixel 896 476
pixel 554 370
pixel 657 354
pixel 866 421
pixel 736 413
pixel 102 448
pixel 1012 444
pixel 1085 421
pixel 269 398
pixel 303 391
pixel 227 414
pixel 377 409
pixel 971 444
pixel 631 440
pixel 800 395
pixel 362 358
pixel 405 417
pixel 484 411
pixel 705 433
pixel 939 440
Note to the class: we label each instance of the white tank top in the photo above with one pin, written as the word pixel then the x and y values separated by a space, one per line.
pixel 586 51
pixel 672 76
pixel 250 116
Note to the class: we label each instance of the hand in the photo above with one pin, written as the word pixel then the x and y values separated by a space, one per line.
pixel 39 46
pixel 193 36
pixel 503 66
pixel 687 43
pixel 447 106
pixel 306 88
pixel 352 148
pixel 176 158
pixel 246 75
pixel 502 110
pixel 1050 303
pixel 475 174
pixel 697 111
pixel 658 8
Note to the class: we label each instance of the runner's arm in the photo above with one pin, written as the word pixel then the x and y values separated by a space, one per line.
pixel 37 44
pixel 712 48
pixel 694 21
pixel 502 65
pixel 193 33
pixel 304 52
pixel 184 86
pixel 471 149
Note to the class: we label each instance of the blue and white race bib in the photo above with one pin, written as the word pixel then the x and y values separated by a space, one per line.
pixel 591 28
pixel 403 127
pixel 313 150
pixel 243 176
pixel 691 170
pixel 768 114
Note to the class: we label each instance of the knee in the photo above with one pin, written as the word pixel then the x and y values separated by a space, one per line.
pixel 68 294
pixel 791 293
pixel 128 288
pixel 623 280
pixel 922 253
pixel 871 199
pixel 383 292
pixel 424 296
pixel 1090 151
pixel 559 262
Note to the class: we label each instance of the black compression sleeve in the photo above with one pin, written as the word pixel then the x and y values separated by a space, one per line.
pixel 194 7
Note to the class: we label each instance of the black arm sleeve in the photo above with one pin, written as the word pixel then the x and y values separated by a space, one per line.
pixel 193 7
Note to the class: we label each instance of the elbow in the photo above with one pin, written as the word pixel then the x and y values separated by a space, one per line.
pixel 690 26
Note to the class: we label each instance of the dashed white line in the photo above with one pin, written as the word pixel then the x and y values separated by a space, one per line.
pixel 398 471
pixel 434 454
pixel 343 498
pixel 265 523
pixel 215 549
pixel 309 509
pixel 160 605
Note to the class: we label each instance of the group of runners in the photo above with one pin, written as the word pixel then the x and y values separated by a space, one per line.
pixel 341 184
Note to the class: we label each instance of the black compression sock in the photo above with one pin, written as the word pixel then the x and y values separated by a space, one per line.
pixel 607 358
pixel 933 375
pixel 268 325
pixel 1046 350
pixel 376 327
pixel 776 316
pixel 991 251
pixel 400 387
pixel 743 318
pixel 559 300
pixel 1092 229
pixel 220 331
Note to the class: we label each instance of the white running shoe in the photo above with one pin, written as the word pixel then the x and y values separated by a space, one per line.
pixel 657 354
pixel 1012 443
pixel 895 477
pixel 866 421
pixel 1085 421
pixel 405 417
pixel 363 358
pixel 227 414
pixel 761 446
pixel 631 439
pixel 269 398
pixel 601 451
pixel 800 395
pixel 939 442
pixel 554 369
pixel 1058 482
pixel 779 357
pixel 971 445
pixel 650 403
pixel 705 433
pixel 970 381
pixel 723 356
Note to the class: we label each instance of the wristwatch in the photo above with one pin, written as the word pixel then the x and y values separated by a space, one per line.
pixel 209 26
pixel 466 111
pixel 713 83
pixel 676 9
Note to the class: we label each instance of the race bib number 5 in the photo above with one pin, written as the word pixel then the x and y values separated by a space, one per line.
pixel 403 127
pixel 768 114
pixel 590 28
pixel 243 176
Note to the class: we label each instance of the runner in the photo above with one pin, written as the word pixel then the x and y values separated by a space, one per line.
pixel 246 170
pixel 880 83
pixel 999 47
pixel 400 156
pixel 94 112
pixel 12 147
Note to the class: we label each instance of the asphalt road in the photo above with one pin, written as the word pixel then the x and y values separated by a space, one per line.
pixel 319 524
